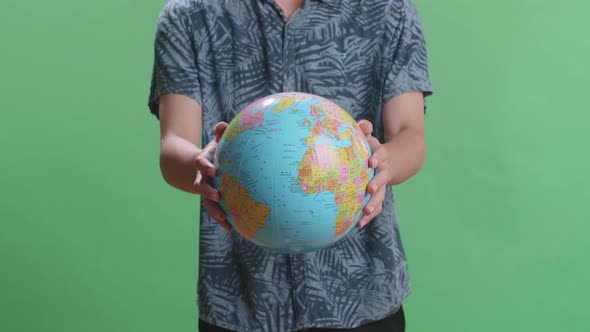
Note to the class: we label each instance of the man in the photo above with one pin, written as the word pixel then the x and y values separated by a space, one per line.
pixel 212 58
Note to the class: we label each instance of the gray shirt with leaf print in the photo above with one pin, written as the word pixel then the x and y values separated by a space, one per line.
pixel 358 53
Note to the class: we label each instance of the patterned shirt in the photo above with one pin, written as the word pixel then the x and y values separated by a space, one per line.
pixel 227 53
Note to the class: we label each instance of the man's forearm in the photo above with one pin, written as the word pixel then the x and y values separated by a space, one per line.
pixel 407 152
pixel 177 158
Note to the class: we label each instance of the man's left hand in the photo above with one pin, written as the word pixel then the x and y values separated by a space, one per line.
pixel 379 161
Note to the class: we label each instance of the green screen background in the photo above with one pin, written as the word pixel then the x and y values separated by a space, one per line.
pixel 495 226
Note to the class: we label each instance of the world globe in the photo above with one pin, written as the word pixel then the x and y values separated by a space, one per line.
pixel 292 172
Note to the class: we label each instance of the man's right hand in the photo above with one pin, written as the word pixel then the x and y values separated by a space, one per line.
pixel 203 183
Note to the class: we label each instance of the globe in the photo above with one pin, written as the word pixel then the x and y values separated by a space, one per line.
pixel 292 172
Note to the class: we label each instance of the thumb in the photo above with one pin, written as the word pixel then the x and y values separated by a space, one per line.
pixel 219 129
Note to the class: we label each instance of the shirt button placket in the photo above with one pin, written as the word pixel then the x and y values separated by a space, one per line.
pixel 288 85
pixel 288 56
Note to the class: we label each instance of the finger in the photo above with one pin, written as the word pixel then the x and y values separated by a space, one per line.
pixel 205 167
pixel 373 208
pixel 215 211
pixel 218 215
pixel 376 150
pixel 375 203
pixel 209 150
pixel 366 127
pixel 380 180
pixel 203 187
pixel 203 160
pixel 226 225
pixel 219 129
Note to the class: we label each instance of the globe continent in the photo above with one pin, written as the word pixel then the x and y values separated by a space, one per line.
pixel 293 172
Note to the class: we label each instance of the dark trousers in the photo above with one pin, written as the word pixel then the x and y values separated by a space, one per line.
pixel 393 323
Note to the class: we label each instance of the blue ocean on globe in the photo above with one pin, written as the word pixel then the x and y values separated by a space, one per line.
pixel 292 172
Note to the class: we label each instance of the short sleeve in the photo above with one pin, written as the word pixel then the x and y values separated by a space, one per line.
pixel 408 71
pixel 174 69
